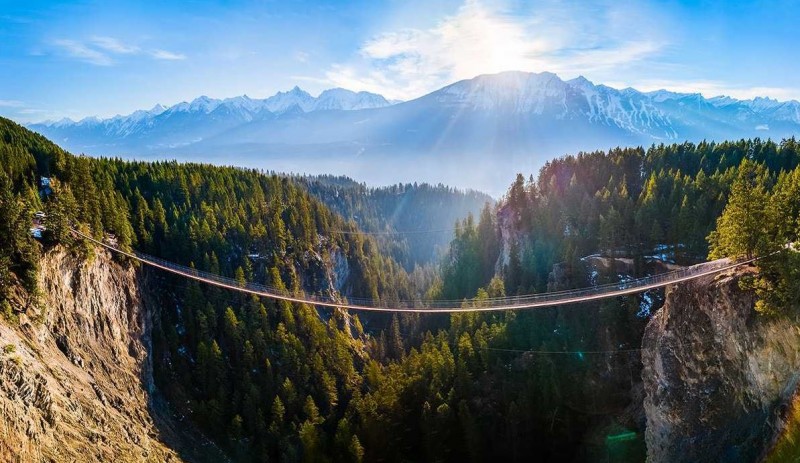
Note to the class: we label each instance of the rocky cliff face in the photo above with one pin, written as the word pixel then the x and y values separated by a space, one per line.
pixel 715 373
pixel 74 372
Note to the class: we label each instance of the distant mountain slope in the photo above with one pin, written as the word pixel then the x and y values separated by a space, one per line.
pixel 494 124
pixel 186 123
pixel 413 223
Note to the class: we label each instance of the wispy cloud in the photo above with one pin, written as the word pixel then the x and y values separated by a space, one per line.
pixel 167 55
pixel 11 104
pixel 104 51
pixel 561 37
pixel 82 52
pixel 115 46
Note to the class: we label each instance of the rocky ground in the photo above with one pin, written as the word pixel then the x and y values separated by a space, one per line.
pixel 74 370
pixel 716 374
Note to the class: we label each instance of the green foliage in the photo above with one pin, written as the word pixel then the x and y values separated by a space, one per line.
pixel 19 252
pixel 421 213
pixel 8 313
pixel 265 379
pixel 237 364
pixel 271 381
pixel 762 222
pixel 627 202
pixel 743 229
pixel 786 447
pixel 636 203
pixel 76 194
pixel 473 252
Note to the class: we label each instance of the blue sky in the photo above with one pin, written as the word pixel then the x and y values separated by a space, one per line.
pixel 80 58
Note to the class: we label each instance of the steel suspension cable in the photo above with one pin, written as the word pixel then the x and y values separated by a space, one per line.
pixel 436 306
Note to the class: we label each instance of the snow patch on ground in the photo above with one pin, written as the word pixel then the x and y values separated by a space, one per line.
pixel 645 305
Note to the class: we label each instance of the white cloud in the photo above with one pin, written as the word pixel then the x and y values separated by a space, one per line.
pixel 113 45
pixel 478 39
pixel 167 55
pixel 101 51
pixel 11 104
pixel 82 52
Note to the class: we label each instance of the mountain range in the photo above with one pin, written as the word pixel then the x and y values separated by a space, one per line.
pixel 473 133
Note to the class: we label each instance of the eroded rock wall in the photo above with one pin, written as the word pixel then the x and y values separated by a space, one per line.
pixel 74 371
pixel 715 373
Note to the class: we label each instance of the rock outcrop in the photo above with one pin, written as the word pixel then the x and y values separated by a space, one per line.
pixel 74 372
pixel 715 373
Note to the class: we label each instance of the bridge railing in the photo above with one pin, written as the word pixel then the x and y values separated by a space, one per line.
pixel 497 303
pixel 531 299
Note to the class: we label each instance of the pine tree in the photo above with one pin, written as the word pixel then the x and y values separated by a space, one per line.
pixel 396 348
pixel 277 414
pixel 310 433
pixel 743 228
pixel 356 450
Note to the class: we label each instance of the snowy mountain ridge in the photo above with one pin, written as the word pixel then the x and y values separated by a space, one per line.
pixel 496 125
pixel 520 92
pixel 331 99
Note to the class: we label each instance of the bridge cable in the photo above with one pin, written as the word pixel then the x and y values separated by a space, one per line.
pixel 530 301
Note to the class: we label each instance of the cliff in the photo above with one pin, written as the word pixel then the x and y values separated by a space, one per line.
pixel 715 373
pixel 74 370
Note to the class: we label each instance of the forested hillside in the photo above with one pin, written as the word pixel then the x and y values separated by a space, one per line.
pixel 278 381
pixel 413 223
pixel 251 373
pixel 557 382
pixel 662 202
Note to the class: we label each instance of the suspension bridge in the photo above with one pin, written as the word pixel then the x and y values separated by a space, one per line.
pixel 531 301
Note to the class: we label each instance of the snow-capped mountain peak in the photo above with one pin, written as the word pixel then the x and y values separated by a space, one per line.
pixel 490 115
pixel 157 109
pixel 660 96
pixel 581 82
pixel 764 103
pixel 282 101
pixel 237 109
pixel 63 122
pixel 91 120
pixel 203 104
pixel 340 98
pixel 722 100
pixel 522 92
